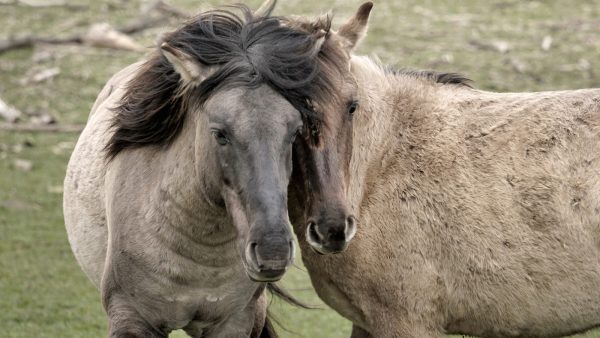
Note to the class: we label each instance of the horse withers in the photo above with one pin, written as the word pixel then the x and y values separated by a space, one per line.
pixel 175 197
pixel 478 212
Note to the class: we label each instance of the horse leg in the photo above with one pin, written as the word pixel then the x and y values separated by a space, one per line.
pixel 250 322
pixel 358 332
pixel 262 325
pixel 391 322
pixel 396 328
pixel 125 322
pixel 239 325
pixel 268 331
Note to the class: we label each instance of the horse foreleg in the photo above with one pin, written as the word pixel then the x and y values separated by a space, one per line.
pixel 125 322
pixel 358 332
pixel 405 330
pixel 239 325
pixel 249 322
pixel 262 326
pixel 395 324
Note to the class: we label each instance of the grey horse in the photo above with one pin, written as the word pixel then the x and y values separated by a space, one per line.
pixel 175 198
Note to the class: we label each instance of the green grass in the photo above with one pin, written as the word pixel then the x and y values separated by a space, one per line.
pixel 43 293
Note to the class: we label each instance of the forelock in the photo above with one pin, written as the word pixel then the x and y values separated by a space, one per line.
pixel 246 51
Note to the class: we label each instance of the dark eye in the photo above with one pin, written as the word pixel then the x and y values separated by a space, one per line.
pixel 298 132
pixel 220 137
pixel 352 107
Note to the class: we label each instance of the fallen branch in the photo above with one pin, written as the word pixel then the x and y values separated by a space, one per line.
pixel 51 128
pixel 27 3
pixel 40 76
pixel 141 24
pixel 172 10
pixel 137 25
pixel 30 40
pixel 103 35
pixel 9 113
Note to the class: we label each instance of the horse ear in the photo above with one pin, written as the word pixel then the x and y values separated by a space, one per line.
pixel 319 29
pixel 191 71
pixel 319 37
pixel 266 8
pixel 356 28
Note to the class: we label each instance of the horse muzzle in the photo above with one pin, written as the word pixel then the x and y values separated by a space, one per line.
pixel 268 262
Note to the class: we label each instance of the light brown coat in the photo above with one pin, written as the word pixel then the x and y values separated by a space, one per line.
pixel 478 212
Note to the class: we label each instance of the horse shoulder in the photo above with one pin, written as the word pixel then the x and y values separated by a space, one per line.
pixel 83 198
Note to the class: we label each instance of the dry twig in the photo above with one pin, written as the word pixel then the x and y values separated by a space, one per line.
pixel 49 128
pixel 9 113
pixel 139 24
pixel 39 4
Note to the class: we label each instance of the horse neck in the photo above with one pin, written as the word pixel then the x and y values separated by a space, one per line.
pixel 387 104
pixel 188 189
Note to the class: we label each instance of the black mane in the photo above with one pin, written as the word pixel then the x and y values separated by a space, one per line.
pixel 431 75
pixel 249 51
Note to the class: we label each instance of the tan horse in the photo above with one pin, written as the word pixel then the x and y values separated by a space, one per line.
pixel 175 197
pixel 478 212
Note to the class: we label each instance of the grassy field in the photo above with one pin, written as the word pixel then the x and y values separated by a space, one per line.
pixel 504 45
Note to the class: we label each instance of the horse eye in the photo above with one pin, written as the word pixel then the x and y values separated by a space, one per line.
pixel 352 107
pixel 298 132
pixel 220 137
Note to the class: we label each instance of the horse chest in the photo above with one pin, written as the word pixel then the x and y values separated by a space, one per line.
pixel 205 296
pixel 209 306
pixel 175 283
pixel 325 272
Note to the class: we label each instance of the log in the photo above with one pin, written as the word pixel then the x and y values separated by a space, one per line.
pixel 9 113
pixel 49 128
pixel 30 40
pixel 172 10
pixel 37 4
pixel 26 41
pixel 141 24
pixel 103 35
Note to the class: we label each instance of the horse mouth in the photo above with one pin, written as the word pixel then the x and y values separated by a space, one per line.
pixel 267 271
pixel 317 251
pixel 323 251
pixel 264 276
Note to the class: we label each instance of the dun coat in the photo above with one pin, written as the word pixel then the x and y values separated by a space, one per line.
pixel 478 212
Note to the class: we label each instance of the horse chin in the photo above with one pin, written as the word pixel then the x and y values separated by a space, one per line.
pixel 318 250
pixel 322 250
pixel 255 275
pixel 262 277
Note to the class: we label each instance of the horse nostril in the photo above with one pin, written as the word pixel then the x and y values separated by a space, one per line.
pixel 349 221
pixel 254 256
pixel 350 228
pixel 292 251
pixel 313 233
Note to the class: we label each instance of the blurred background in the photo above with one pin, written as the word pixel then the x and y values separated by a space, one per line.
pixel 55 57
